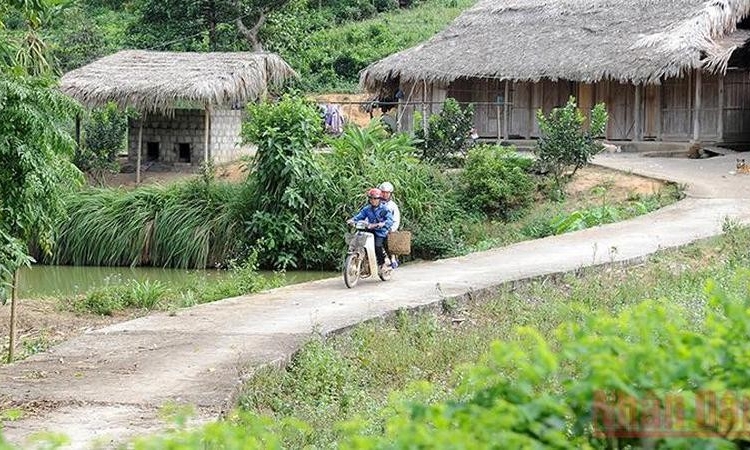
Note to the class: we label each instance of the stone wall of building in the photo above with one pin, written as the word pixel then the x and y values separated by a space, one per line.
pixel 180 140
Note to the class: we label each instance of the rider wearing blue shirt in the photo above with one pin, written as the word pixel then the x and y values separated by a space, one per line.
pixel 380 220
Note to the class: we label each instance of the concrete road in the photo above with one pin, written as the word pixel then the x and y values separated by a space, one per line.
pixel 109 384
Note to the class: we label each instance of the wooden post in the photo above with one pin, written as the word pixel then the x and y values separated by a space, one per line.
pixel 697 107
pixel 207 133
pixel 399 115
pixel 720 124
pixel 499 135
pixel 660 113
pixel 78 131
pixel 13 301
pixel 506 110
pixel 638 129
pixel 424 109
pixel 530 124
pixel 139 150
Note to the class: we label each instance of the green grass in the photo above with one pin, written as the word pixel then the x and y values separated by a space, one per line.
pixel 185 225
pixel 155 295
pixel 549 217
pixel 353 376
pixel 325 67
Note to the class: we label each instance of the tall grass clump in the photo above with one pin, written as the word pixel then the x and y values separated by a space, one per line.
pixel 185 225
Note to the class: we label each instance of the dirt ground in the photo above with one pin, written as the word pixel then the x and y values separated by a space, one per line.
pixel 42 323
pixel 232 172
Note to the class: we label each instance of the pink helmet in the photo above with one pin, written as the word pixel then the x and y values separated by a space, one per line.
pixel 374 193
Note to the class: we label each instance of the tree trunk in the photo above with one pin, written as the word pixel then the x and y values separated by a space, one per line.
pixel 13 301
pixel 251 34
pixel 210 17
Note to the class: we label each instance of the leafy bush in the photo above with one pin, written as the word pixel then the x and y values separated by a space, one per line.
pixel 285 179
pixel 565 144
pixel 103 138
pixel 495 180
pixel 447 133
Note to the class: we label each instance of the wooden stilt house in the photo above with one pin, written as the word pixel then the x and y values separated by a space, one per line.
pixel 669 70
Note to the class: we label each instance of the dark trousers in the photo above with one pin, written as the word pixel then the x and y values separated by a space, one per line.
pixel 379 249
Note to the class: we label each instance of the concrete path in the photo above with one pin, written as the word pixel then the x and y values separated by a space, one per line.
pixel 109 384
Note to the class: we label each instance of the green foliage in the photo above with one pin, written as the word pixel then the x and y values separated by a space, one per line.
pixel 496 181
pixel 185 25
pixel 117 296
pixel 187 225
pixel 103 138
pixel 565 144
pixel 285 178
pixel 306 37
pixel 35 171
pixel 446 139
pixel 364 157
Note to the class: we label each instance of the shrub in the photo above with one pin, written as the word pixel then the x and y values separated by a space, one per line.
pixel 565 144
pixel 446 136
pixel 495 180
pixel 103 138
pixel 285 178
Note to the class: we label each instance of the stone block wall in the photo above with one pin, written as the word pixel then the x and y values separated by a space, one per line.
pixel 181 140
pixel 226 125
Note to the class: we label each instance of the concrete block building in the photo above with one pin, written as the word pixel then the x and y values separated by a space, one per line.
pixel 191 105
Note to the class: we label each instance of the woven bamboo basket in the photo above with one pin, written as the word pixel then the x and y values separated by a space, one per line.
pixel 399 242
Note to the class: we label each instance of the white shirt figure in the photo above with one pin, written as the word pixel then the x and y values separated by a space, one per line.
pixel 393 208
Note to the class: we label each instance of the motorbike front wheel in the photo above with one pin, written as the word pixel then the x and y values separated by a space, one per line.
pixel 351 270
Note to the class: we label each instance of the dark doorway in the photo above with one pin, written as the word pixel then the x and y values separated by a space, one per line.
pixel 183 152
pixel 152 151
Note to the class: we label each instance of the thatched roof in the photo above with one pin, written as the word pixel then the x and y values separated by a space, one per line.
pixel 578 40
pixel 159 81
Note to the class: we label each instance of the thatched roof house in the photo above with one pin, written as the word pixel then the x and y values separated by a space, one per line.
pixel 152 81
pixel 191 104
pixel 633 42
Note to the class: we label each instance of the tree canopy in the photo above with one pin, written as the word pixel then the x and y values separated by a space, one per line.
pixel 35 146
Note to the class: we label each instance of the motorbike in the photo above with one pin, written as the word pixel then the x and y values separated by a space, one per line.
pixel 361 261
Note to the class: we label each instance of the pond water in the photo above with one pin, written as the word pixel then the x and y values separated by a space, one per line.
pixel 48 281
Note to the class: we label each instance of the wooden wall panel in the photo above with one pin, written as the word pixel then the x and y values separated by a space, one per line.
pixel 521 114
pixel 676 113
pixel 652 112
pixel 737 106
pixel 709 113
pixel 619 100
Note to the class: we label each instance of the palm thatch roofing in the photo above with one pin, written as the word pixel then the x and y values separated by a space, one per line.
pixel 152 81
pixel 579 40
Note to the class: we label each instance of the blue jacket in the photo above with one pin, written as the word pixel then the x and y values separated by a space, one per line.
pixel 376 215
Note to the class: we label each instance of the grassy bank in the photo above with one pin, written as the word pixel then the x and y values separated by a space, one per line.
pixel 325 67
pixel 369 373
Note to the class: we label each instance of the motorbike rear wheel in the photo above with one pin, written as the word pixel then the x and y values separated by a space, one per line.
pixel 352 266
